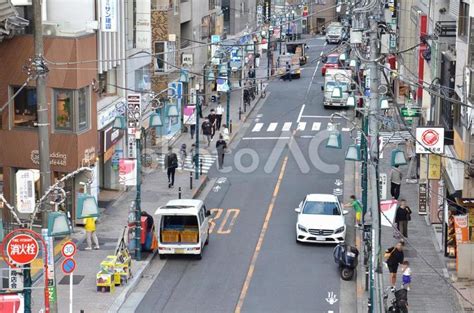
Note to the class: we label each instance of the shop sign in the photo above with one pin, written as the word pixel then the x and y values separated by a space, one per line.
pixel 111 137
pixel 434 166
pixel 12 303
pixel 25 195
pixel 143 24
pixel 461 228
pixel 430 140
pixel 383 186
pixel 109 15
pixel 422 198
pixel 388 208
pixel 131 146
pixel 15 279
pixel 128 172
pixel 89 156
pixel 134 113
pixel 118 154
pixel 187 59
pixel 55 158
pixel 107 115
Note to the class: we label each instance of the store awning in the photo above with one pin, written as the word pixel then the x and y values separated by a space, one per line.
pixel 453 171
pixel 10 22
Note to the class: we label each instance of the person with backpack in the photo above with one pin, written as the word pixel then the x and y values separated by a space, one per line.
pixel 171 163
pixel 221 146
pixel 207 131
pixel 402 216
pixel 393 257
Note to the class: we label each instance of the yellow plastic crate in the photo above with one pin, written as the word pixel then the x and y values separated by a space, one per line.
pixel 169 236
pixel 189 236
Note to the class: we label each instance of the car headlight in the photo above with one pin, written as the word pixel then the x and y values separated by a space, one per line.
pixel 302 228
pixel 340 230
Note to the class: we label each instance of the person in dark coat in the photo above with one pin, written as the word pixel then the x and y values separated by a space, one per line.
pixel 171 163
pixel 212 117
pixel 402 216
pixel 221 146
pixel 207 130
pixel 394 257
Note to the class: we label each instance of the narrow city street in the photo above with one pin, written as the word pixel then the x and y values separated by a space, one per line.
pixel 253 263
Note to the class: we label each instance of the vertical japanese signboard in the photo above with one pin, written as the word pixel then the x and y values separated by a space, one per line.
pixel 134 116
pixel 422 198
pixel 109 15
pixel 25 191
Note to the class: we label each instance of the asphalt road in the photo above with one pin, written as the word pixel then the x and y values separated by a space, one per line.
pixel 253 263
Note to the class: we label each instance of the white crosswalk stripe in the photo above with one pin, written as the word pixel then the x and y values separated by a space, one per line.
pixel 272 127
pixel 206 160
pixel 286 126
pixel 257 127
pixel 316 126
pixel 301 126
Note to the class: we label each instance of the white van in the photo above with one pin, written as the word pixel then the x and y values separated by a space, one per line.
pixel 183 227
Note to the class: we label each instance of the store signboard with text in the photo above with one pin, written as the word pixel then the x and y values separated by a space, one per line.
pixel 429 140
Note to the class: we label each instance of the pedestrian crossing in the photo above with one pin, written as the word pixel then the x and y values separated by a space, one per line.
pixel 206 160
pixel 271 127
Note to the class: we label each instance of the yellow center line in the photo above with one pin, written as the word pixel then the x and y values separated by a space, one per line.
pixel 263 232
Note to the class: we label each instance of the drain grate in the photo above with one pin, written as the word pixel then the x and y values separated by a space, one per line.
pixel 76 279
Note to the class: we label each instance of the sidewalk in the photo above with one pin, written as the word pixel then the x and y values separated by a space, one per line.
pixel 429 292
pixel 155 192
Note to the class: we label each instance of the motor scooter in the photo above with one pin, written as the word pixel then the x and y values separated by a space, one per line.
pixel 399 303
pixel 347 258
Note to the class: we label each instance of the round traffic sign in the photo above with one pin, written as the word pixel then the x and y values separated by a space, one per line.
pixel 69 249
pixel 430 137
pixel 68 266
pixel 22 249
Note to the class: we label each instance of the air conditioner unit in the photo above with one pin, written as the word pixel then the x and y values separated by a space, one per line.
pixel 50 28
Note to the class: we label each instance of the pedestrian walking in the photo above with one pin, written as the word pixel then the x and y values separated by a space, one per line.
pixel 411 155
pixel 91 235
pixel 171 163
pixel 212 117
pixel 193 153
pixel 219 113
pixel 192 124
pixel 207 131
pixel 406 275
pixel 183 154
pixel 402 216
pixel 395 182
pixel 355 204
pixel 225 133
pixel 257 60
pixel 393 257
pixel 221 146
pixel 288 71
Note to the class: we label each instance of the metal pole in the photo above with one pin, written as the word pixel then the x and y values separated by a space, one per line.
pixel 138 209
pixel 228 94
pixel 70 291
pixel 376 269
pixel 196 149
pixel 242 77
pixel 269 54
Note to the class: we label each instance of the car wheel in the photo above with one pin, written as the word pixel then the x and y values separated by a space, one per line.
pixel 199 256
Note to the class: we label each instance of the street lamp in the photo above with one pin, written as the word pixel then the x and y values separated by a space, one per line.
pixel 384 104
pixel 337 93
pixel 334 140
pixel 119 122
pixel 58 224
pixel 155 120
pixel 86 206
pixel 351 101
pixel 398 157
pixel 353 153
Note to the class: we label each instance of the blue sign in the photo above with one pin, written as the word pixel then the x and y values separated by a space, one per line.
pixel 68 266
pixel 215 38
pixel 176 90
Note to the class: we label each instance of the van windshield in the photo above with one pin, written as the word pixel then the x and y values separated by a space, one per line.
pixel 179 229
pixel 321 208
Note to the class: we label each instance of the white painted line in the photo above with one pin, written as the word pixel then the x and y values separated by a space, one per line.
pixel 265 138
pixel 272 127
pixel 301 126
pixel 301 113
pixel 346 129
pixel 307 136
pixel 257 127
pixel 286 126
pixel 319 116
pixel 316 126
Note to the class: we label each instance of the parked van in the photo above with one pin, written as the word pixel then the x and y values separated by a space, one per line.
pixel 183 227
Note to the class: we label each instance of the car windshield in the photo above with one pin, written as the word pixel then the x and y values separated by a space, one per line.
pixel 321 208
pixel 333 59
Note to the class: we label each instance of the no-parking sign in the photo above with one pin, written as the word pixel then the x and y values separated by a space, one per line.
pixel 429 140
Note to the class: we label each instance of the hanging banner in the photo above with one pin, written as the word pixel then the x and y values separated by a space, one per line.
pixel 108 12
pixel 25 191
pixel 143 24
pixel 128 172
pixel 422 198
pixel 388 208
pixel 434 166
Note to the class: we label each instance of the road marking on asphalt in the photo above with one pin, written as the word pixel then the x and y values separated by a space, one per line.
pixel 286 126
pixel 316 126
pixel 345 129
pixel 258 247
pixel 307 136
pixel 301 126
pixel 319 116
pixel 257 127
pixel 266 138
pixel 301 113
pixel 272 127
pixel 216 214
pixel 223 230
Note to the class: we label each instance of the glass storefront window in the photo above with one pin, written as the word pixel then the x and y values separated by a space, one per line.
pixel 82 107
pixel 25 107
pixel 63 109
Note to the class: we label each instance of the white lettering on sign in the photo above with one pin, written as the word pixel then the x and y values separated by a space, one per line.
pixel 55 158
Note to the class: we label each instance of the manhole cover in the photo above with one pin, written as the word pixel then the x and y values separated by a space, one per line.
pixel 76 279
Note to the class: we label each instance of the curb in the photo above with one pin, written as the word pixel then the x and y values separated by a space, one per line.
pixel 202 184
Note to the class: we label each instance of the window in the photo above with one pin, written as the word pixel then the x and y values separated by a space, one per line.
pixel 463 23
pixel 471 43
pixel 107 83
pixel 165 56
pixel 212 4
pixel 321 208
pixel 159 56
pixel 71 109
pixel 25 107
pixel 202 215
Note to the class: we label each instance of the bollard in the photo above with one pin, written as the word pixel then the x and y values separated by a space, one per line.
pixel 200 167
pixel 240 113
pixel 230 127
pixel 191 180
pixel 179 193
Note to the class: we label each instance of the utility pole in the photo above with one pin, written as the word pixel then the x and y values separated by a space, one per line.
pixel 197 113
pixel 376 283
pixel 138 197
pixel 43 148
pixel 242 77
pixel 228 94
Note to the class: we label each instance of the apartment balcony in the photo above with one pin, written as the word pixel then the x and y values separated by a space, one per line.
pixel 445 29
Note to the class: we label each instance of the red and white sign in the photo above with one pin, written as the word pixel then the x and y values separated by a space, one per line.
pixel 12 303
pixel 429 140
pixel 388 208
pixel 69 249
pixel 22 249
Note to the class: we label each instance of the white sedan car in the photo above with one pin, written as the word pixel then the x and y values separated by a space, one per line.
pixel 320 219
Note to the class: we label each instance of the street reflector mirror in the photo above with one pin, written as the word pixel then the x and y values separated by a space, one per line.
pixel 334 140
pixel 58 224
pixel 353 153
